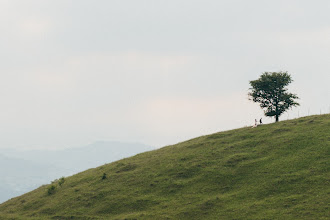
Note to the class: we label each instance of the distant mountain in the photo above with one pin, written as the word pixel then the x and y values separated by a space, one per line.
pixel 22 171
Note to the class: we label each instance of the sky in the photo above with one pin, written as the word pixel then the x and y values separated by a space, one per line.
pixel 156 72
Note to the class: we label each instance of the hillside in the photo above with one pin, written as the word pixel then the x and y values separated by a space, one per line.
pixel 25 170
pixel 18 176
pixel 276 171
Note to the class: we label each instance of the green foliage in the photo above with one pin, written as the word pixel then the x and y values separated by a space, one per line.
pixel 275 171
pixel 271 92
pixel 61 181
pixel 104 176
pixel 51 189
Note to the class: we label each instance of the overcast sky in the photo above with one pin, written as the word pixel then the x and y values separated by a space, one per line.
pixel 152 71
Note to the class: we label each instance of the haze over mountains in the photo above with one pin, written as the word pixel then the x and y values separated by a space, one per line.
pixel 18 176
pixel 23 171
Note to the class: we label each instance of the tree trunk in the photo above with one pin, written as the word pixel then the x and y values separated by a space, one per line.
pixel 277 115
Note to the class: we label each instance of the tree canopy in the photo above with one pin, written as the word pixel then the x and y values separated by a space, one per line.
pixel 270 90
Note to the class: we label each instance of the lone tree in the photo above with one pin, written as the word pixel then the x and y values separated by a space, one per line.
pixel 271 92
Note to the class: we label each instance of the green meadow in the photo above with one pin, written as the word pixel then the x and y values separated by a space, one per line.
pixel 274 171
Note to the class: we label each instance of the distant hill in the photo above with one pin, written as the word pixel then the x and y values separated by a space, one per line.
pixel 82 158
pixel 23 171
pixel 275 171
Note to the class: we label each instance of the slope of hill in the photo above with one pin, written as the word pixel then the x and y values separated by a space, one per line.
pixel 18 176
pixel 276 171
pixel 23 171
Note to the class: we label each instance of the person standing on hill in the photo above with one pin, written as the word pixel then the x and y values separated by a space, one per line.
pixel 260 121
pixel 255 123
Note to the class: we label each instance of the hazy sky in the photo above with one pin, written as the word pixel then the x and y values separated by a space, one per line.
pixel 152 71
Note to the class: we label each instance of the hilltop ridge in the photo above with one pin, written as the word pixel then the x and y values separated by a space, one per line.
pixel 275 171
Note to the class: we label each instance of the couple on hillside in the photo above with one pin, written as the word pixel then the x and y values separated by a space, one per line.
pixel 256 123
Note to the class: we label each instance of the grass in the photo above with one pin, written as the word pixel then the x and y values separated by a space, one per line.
pixel 275 171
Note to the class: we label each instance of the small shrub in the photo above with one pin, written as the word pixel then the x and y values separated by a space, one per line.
pixel 104 176
pixel 51 189
pixel 61 181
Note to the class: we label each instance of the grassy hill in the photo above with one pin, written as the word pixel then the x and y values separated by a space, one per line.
pixel 276 171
